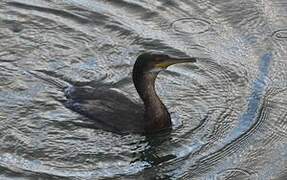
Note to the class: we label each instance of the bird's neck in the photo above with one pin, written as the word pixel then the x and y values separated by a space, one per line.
pixel 156 114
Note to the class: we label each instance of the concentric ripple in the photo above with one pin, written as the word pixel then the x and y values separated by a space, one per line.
pixel 280 34
pixel 191 25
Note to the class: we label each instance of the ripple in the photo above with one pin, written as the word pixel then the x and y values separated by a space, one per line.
pixel 280 34
pixel 235 173
pixel 14 26
pixel 57 12
pixel 191 25
pixel 6 78
pixel 278 124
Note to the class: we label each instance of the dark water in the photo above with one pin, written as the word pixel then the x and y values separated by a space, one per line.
pixel 229 111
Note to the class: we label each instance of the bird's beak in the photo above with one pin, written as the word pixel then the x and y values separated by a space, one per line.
pixel 171 61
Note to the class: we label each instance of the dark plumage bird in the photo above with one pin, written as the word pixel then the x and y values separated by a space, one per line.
pixel 115 112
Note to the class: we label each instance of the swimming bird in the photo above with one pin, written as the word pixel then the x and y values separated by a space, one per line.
pixel 113 111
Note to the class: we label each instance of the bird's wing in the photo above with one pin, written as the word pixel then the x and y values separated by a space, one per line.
pixel 107 106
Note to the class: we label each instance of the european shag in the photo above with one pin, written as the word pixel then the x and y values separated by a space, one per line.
pixel 111 110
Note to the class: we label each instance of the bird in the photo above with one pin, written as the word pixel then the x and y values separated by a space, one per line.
pixel 113 111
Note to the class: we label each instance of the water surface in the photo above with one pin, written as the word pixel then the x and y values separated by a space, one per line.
pixel 228 110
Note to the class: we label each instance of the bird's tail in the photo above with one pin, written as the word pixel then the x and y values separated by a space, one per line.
pixel 46 77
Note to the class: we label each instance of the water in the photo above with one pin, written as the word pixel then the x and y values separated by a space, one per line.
pixel 228 110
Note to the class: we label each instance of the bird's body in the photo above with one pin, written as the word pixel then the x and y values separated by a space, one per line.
pixel 113 111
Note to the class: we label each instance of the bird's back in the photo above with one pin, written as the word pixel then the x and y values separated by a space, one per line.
pixel 111 110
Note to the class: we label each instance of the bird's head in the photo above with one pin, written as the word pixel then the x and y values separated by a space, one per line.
pixel 154 63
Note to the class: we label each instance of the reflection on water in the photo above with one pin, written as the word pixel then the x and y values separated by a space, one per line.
pixel 228 110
